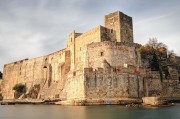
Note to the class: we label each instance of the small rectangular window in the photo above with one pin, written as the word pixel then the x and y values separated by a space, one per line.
pixel 74 73
pixel 102 53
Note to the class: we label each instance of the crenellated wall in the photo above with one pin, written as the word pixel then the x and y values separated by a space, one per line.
pixel 102 63
pixel 100 84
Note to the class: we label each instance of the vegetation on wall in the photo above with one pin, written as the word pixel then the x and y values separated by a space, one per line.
pixel 156 53
pixel 19 90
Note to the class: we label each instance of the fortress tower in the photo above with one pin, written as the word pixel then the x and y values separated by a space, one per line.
pixel 92 66
pixel 121 24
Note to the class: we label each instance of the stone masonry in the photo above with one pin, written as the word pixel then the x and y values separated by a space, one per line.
pixel 103 63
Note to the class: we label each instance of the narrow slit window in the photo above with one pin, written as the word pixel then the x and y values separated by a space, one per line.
pixel 125 31
pixel 74 73
pixel 102 53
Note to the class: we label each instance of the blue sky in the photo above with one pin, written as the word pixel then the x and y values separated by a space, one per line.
pixel 31 28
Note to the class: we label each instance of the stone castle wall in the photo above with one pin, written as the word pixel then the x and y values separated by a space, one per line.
pixel 107 76
pixel 81 42
pixel 153 86
pixel 121 24
pixel 100 84
pixel 74 87
pixel 126 29
pixel 41 70
pixel 95 35
pixel 102 63
pixel 114 53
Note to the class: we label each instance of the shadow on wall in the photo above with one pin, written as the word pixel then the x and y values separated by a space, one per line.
pixel 1 75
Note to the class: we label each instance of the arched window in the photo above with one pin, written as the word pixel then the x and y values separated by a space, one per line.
pixel 45 67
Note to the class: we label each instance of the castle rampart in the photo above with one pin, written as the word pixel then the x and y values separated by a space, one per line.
pixel 103 63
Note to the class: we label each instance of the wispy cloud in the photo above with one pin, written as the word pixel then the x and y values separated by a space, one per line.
pixel 31 28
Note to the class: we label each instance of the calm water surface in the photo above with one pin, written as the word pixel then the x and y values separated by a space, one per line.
pixel 86 112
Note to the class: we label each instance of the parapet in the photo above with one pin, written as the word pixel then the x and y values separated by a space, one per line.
pixel 119 69
pixel 112 43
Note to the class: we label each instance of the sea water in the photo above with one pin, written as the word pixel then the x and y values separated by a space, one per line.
pixel 87 112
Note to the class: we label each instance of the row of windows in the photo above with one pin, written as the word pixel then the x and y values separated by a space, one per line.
pixel 111 30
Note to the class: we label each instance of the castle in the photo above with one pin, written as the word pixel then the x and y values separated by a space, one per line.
pixel 103 63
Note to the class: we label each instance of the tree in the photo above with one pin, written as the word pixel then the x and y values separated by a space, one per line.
pixel 156 53
pixel 1 75
pixel 171 56
pixel 20 88
pixel 171 53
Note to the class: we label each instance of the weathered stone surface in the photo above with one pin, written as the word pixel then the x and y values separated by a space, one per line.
pixel 153 101
pixel 121 24
pixel 101 64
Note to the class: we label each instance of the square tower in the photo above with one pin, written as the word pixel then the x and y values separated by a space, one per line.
pixel 121 24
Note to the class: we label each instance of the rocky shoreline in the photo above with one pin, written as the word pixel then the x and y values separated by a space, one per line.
pixel 34 102
pixel 146 101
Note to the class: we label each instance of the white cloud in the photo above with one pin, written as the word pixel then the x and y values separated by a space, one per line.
pixel 31 28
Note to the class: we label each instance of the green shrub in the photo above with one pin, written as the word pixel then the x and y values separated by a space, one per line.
pixel 20 88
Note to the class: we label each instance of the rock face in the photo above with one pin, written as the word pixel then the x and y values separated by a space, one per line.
pixel 153 101
pixel 102 63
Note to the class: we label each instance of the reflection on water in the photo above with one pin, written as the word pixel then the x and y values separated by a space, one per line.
pixel 86 112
